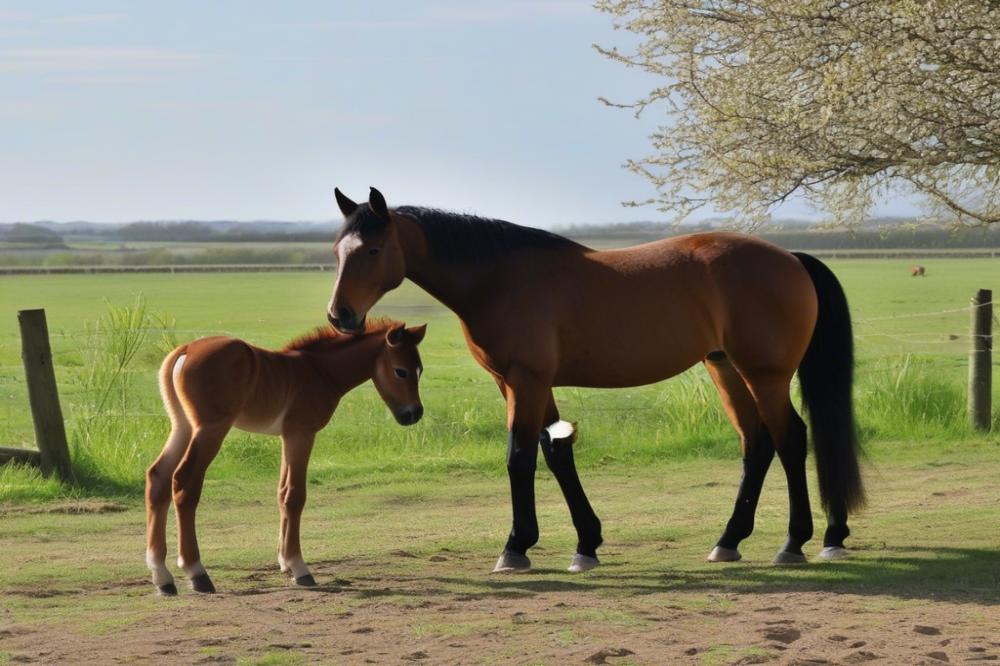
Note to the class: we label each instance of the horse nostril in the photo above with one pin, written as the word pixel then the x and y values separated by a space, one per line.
pixel 344 313
pixel 418 412
pixel 405 417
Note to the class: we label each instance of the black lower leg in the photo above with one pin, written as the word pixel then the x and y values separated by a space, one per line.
pixel 836 525
pixel 793 459
pixel 756 462
pixel 522 456
pixel 559 458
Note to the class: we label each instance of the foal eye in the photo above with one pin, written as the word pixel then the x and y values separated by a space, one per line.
pixel 373 251
pixel 401 373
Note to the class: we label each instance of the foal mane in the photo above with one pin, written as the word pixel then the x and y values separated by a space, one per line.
pixel 458 238
pixel 322 334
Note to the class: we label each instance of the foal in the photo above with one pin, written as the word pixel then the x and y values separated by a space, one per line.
pixel 215 383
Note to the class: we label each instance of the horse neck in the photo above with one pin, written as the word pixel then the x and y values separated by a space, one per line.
pixel 456 286
pixel 346 362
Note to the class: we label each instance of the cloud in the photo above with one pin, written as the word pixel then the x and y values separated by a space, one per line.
pixel 90 19
pixel 95 59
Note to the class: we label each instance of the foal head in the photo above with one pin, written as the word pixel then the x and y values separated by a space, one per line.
pixel 397 372
pixel 369 261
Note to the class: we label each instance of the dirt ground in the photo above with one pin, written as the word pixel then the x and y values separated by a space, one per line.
pixel 403 573
pixel 426 619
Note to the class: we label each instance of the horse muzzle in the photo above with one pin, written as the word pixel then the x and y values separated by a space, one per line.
pixel 409 415
pixel 346 320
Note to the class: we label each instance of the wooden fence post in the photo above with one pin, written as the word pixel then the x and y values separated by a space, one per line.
pixel 980 366
pixel 50 431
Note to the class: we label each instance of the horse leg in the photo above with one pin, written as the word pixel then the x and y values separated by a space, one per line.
pixel 757 449
pixel 283 517
pixel 158 491
pixel 557 440
pixel 526 403
pixel 292 499
pixel 188 481
pixel 788 432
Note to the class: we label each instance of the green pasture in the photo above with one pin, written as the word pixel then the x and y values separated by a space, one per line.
pixel 403 524
pixel 912 341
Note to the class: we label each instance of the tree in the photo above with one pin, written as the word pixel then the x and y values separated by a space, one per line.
pixel 841 101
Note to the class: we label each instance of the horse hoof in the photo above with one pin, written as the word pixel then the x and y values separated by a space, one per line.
pixel 720 554
pixel 202 583
pixel 582 563
pixel 306 581
pixel 784 557
pixel 831 553
pixel 510 562
pixel 168 590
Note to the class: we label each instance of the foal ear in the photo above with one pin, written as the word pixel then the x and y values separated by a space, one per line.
pixel 377 203
pixel 347 207
pixel 416 333
pixel 394 336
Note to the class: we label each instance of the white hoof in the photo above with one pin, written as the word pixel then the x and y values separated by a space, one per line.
pixel 784 557
pixel 511 562
pixel 720 554
pixel 582 563
pixel 832 553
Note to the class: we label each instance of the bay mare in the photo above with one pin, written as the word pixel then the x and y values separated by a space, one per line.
pixel 217 383
pixel 539 310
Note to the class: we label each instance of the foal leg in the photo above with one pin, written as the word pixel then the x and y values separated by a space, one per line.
pixel 283 518
pixel 188 481
pixel 788 432
pixel 557 440
pixel 527 398
pixel 158 491
pixel 295 450
pixel 758 451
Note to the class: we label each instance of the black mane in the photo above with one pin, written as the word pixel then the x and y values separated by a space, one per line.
pixel 456 238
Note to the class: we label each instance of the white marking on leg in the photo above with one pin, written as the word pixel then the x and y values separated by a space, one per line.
pixel 161 574
pixel 297 566
pixel 191 570
pixel 560 430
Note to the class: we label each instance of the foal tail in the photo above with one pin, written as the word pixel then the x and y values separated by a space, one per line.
pixel 826 375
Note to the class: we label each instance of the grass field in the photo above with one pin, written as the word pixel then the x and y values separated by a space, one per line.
pixel 403 523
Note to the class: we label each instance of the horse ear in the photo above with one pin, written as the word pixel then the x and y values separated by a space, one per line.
pixel 416 333
pixel 394 336
pixel 377 203
pixel 347 207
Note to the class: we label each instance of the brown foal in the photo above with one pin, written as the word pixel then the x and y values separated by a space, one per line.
pixel 217 383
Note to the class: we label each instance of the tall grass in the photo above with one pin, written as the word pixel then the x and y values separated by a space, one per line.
pixel 117 424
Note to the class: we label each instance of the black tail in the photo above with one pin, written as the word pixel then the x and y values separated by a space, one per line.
pixel 827 377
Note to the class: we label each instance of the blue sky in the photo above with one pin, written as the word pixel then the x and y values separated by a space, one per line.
pixel 115 111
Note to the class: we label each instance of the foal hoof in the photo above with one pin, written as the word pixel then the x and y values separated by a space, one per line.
pixel 831 553
pixel 510 562
pixel 202 583
pixel 720 554
pixel 306 581
pixel 168 590
pixel 582 563
pixel 784 557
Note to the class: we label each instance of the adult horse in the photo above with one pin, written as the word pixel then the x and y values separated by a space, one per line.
pixel 539 310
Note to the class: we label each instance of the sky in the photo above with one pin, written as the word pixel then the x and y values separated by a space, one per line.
pixel 250 110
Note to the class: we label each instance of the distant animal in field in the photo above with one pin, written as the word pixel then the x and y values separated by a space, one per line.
pixel 217 383
pixel 539 310
pixel 918 271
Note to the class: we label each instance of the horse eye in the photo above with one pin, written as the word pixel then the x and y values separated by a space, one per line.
pixel 401 373
pixel 373 251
